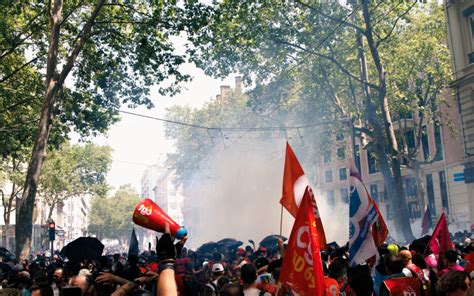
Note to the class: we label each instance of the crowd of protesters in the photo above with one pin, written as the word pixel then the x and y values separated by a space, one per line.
pixel 251 271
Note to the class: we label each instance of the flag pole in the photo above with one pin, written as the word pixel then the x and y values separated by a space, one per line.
pixel 281 219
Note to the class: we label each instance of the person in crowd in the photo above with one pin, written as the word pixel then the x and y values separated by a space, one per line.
pixel 248 275
pixel 453 283
pixel 449 260
pixel 398 284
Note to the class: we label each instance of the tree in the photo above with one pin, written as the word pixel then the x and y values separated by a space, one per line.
pixel 111 217
pixel 417 84
pixel 75 170
pixel 111 52
pixel 337 56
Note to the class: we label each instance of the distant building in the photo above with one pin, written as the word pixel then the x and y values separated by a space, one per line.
pixel 158 184
pixel 460 29
pixel 443 190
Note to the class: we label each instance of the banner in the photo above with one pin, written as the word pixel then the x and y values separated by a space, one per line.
pixel 302 268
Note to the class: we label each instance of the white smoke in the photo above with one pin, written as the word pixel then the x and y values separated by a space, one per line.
pixel 240 192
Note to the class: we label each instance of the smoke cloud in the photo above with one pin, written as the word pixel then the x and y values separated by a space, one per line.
pixel 238 191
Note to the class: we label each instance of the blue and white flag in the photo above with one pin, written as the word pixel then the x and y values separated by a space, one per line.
pixel 362 216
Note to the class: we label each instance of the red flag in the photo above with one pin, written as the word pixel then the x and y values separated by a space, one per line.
pixel 294 185
pixel 379 229
pixel 302 267
pixel 294 182
pixel 440 241
pixel 426 222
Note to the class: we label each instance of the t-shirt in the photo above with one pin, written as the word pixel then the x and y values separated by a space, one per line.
pixel 254 292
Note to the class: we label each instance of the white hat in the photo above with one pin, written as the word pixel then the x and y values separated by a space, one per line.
pixel 217 267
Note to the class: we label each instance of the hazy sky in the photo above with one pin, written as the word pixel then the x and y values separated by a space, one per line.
pixel 138 142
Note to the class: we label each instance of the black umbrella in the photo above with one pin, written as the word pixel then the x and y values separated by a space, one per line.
pixel 83 248
pixel 271 241
pixel 228 243
pixel 206 248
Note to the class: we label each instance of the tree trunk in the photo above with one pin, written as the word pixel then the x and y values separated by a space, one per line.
pixel 389 165
pixel 24 225
pixel 54 83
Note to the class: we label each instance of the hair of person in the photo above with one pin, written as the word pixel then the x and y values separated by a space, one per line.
pixel 231 289
pixel 45 290
pixel 451 256
pixel 419 261
pixel 248 273
pixel 395 264
pixel 451 282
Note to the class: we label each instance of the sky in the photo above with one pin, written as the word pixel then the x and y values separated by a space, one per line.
pixel 139 142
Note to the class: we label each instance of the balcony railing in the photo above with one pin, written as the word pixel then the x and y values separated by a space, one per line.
pixel 471 57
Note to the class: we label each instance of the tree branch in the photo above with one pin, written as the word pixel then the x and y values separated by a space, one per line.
pixel 78 45
pixel 330 17
pixel 21 68
pixel 329 58
pixel 394 25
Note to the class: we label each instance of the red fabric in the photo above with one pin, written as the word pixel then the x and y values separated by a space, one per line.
pixel 292 172
pixel 403 286
pixel 332 287
pixel 302 267
pixel 293 181
pixel 440 240
pixel 379 229
pixel 470 262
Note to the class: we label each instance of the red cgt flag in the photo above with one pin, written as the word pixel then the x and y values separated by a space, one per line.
pixel 379 229
pixel 440 241
pixel 302 267
pixel 294 182
pixel 294 186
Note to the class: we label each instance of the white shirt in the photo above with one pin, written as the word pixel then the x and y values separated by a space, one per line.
pixel 254 292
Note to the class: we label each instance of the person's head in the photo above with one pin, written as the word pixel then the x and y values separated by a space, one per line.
pixel 360 280
pixel 82 282
pixel 419 261
pixel 261 262
pixel 450 257
pixel 395 264
pixel 231 290
pixel 453 283
pixel 406 256
pixel 41 290
pixel 248 274
pixel 217 270
pixel 58 276
pixel 337 271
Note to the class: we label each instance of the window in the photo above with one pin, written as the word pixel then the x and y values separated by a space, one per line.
pixel 330 196
pixel 342 174
pixel 389 212
pixel 410 188
pixel 327 156
pixel 341 153
pixel 372 163
pixel 374 192
pixel 406 115
pixel 345 195
pixel 431 195
pixel 410 139
pixel 357 156
pixel 425 143
pixel 438 142
pixel 328 176
pixel 444 191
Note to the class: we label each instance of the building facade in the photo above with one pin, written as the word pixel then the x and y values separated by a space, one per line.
pixel 460 32
pixel 444 190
